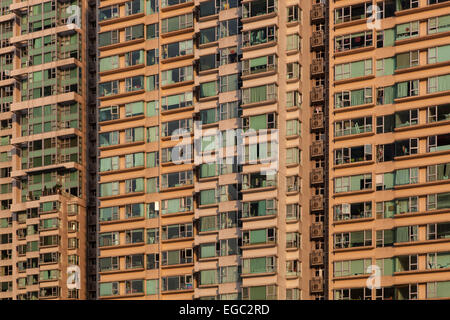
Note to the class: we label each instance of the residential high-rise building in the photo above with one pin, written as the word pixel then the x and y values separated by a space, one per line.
pixel 44 226
pixel 207 142
pixel 389 149
pixel 224 149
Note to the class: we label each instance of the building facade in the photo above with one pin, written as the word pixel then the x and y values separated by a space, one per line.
pixel 45 179
pixel 206 137
pixel 389 138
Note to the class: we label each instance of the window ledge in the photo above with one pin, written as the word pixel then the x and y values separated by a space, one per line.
pixel 177 291
pixel 259 75
pixel 177 58
pixel 177 240
pixel 262 189
pixel 255 275
pixel 356 276
pixel 208 259
pixel 169 138
pixel 356 79
pixel 399 273
pixel 177 110
pixel 210 98
pixel 423 67
pixel 121 221
pixel 206 179
pixel 176 214
pixel 209 44
pixel 258 104
pixel 353 164
pixel 120 271
pixel 350 23
pixel 122 69
pixel 352 193
pixel 205 206
pixel 259 46
pixel 121 95
pixel 353 51
pixel 177 84
pixel 292 249
pixel 424 125
pixel 257 218
pixel 353 108
pixel 177 6
pixel 422 38
pixel 120 120
pixel 104 173
pixel 421 155
pixel 205 233
pixel 353 249
pixel 339 222
pixel 260 17
pixel 120 44
pixel 177 32
pixel 259 246
pixel 421 213
pixel 121 196
pixel 120 145
pixel 173 266
pixel 183 187
pixel 208 18
pixel 121 19
pixel 209 71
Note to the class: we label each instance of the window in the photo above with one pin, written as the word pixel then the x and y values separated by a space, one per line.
pixel 353 183
pixel 134 32
pixel 109 189
pixel 108 88
pixel 228 28
pixel 259 94
pixel 109 164
pixel 438 260
pixel 109 214
pixel 259 208
pixel 353 69
pixel 208 8
pixel 293 99
pixel 353 154
pixel 293 70
pixel 177 49
pixel 258 36
pixel 385 67
pixel 259 265
pixel 385 95
pixel 352 13
pixel 177 23
pixel 293 13
pixel 176 75
pixel 228 55
pixel 109 63
pixel 408 88
pixel 177 231
pixel 353 41
pixel 268 292
pixel 107 13
pixel 406 234
pixel 134 134
pixel 406 30
pixel 438 172
pixel 152 31
pixel 257 8
pixel 407 59
pixel 108 239
pixel 438 54
pixel 385 124
pixel 353 239
pixel 406 118
pixel 348 211
pixel 134 185
pixel 108 113
pixel 174 283
pixel 176 179
pixel 406 147
pixel 108 38
pixel 438 143
pixel 177 127
pixel 438 84
pixel 438 201
pixel 438 24
pixel 293 42
pixel 351 267
pixel 134 84
pixel 438 113
pixel 250 237
pixel 352 126
pixel 176 257
pixel 229 83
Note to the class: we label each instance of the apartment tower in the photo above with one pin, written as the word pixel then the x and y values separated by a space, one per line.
pixel 389 147
pixel 212 163
pixel 44 133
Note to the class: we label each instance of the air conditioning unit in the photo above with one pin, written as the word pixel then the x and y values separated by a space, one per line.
pixel 316 230
pixel 316 203
pixel 316 258
pixel 316 285
pixel 317 176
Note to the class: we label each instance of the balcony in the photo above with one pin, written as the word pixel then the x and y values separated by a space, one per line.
pixel 316 230
pixel 317 94
pixel 317 13
pixel 316 285
pixel 317 121
pixel 316 257
pixel 317 149
pixel 317 175
pixel 316 203
pixel 317 67
pixel 317 40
